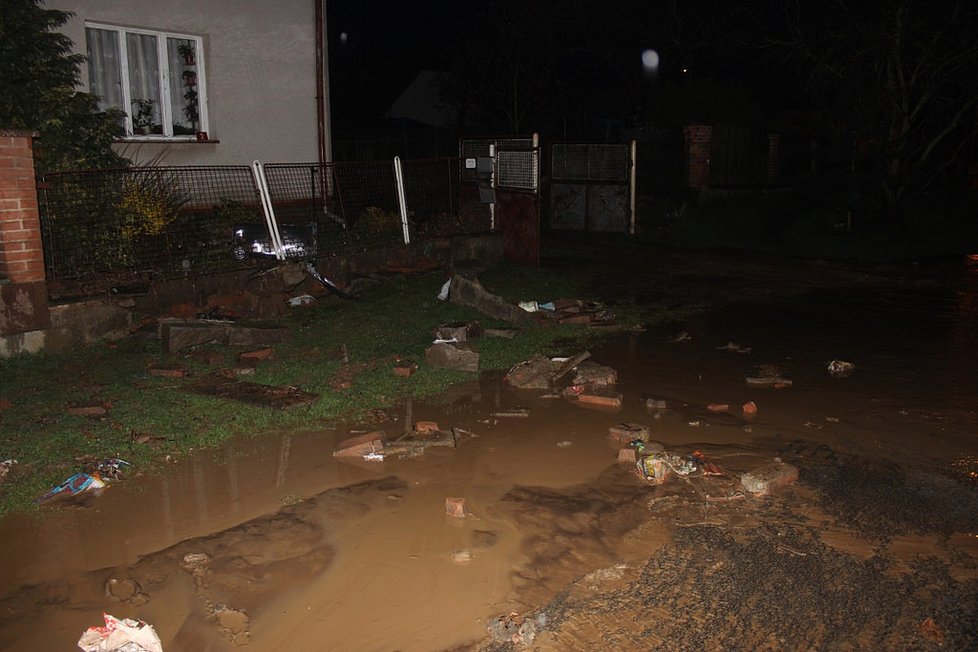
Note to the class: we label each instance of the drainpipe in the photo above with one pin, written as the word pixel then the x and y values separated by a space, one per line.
pixel 322 88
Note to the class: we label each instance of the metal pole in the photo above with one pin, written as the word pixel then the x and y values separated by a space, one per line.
pixel 401 201
pixel 258 171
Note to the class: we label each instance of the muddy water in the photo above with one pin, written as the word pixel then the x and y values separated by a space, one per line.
pixel 305 552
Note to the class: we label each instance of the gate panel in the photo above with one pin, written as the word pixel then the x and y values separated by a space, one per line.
pixel 591 187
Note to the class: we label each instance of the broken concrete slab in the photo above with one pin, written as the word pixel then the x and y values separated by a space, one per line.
pixel 253 393
pixel 180 334
pixel 460 356
pixel 183 334
pixel 769 477
pixel 534 373
pixel 469 292
pixel 360 445
pixel 255 335
pixel 455 507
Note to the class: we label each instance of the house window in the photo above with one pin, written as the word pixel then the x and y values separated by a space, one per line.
pixel 155 78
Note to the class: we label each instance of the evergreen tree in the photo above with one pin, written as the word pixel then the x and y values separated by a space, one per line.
pixel 39 76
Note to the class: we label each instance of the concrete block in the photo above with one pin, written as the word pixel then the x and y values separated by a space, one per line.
pixel 459 356
pixel 371 442
pixel 627 455
pixel 534 373
pixel 425 427
pixel 769 477
pixel 595 375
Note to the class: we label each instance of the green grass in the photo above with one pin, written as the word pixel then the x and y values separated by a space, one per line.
pixel 394 319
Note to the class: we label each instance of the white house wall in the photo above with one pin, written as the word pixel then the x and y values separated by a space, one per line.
pixel 259 66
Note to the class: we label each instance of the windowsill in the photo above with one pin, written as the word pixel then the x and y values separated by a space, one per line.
pixel 165 140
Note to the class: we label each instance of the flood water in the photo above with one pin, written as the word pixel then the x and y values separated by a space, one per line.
pixel 308 552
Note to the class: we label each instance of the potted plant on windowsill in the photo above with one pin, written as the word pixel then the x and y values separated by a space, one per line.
pixel 142 117
pixel 189 54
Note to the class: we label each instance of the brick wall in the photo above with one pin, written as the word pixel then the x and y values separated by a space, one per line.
pixel 698 139
pixel 21 253
pixel 23 291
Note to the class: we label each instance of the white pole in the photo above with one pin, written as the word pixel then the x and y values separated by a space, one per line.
pixel 401 201
pixel 492 184
pixel 258 171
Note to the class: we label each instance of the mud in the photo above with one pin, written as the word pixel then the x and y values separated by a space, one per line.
pixel 273 544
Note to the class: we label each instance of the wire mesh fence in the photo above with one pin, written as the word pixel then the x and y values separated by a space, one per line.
pixel 441 201
pixel 115 228
pixel 109 229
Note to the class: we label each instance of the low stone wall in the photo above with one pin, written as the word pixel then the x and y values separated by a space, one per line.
pixel 242 293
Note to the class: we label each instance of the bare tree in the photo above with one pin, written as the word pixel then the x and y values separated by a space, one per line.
pixel 897 77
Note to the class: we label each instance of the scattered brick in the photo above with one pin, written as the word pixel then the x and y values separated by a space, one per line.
pixel 750 408
pixel 624 433
pixel 455 507
pixel 718 407
pixel 595 400
pixel 425 427
pixel 89 409
pixel 627 455
pixel 167 371
pixel 371 442
pixel 257 354
pixel 404 371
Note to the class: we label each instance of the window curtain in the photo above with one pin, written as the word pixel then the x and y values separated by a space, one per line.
pixel 144 80
pixel 104 70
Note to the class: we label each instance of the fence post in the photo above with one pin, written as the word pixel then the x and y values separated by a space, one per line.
pixel 23 289
pixel 698 140
pixel 261 183
pixel 401 201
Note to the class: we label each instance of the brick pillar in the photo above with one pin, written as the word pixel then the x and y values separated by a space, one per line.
pixel 773 159
pixel 698 139
pixel 23 291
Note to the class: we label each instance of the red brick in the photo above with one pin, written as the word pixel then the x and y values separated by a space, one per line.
pixel 455 507
pixel 90 409
pixel 600 401
pixel 627 455
pixel 167 371
pixel 404 370
pixel 425 427
pixel 258 354
pixel 371 442
pixel 627 432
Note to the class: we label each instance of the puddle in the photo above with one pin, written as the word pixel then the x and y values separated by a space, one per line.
pixel 306 551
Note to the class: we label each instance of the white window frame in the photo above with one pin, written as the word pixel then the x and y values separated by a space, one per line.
pixel 166 112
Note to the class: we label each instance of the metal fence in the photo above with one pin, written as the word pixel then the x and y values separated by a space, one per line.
pixel 111 229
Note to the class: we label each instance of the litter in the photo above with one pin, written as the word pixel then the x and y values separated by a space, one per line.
pixel 121 635
pixel 736 348
pixel 76 484
pixel 679 338
pixel 516 629
pixel 443 295
pixel 709 468
pixel 112 468
pixel 841 368
pixel 455 507
pixel 301 300
pixel 374 457
pixel 5 467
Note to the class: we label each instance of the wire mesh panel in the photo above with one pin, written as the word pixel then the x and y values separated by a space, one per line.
pixel 115 228
pixel 590 162
pixel 518 169
pixel 307 208
pixel 435 201
pixel 366 194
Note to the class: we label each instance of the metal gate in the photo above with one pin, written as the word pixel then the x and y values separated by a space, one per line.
pixel 592 187
pixel 510 186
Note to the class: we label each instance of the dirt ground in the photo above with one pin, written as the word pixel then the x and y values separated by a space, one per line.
pixel 274 544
